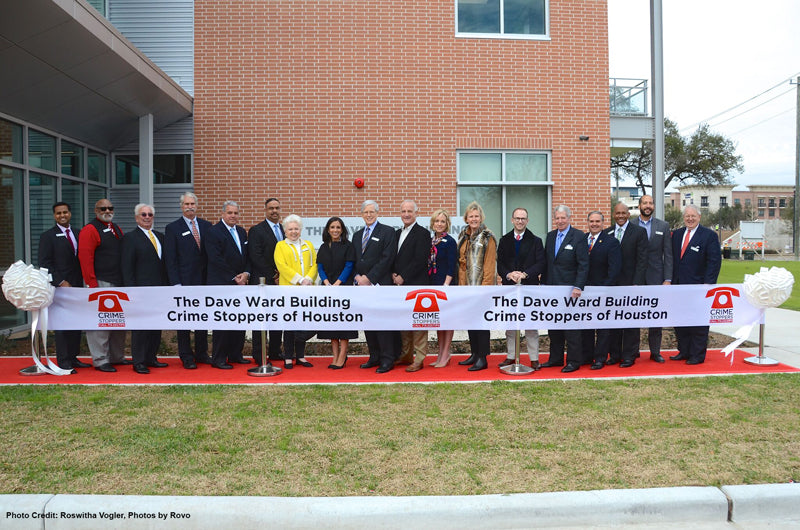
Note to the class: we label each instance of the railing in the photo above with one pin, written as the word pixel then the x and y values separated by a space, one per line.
pixel 627 97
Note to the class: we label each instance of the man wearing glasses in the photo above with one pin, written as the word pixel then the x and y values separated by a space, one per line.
pixel 100 253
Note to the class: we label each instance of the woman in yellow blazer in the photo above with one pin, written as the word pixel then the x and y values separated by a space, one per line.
pixel 296 262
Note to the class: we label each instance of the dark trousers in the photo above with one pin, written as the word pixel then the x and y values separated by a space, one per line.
pixel 274 348
pixel 200 345
pixel 572 337
pixel 479 342
pixel 692 342
pixel 68 346
pixel 654 340
pixel 144 345
pixel 625 344
pixel 383 347
pixel 595 344
pixel 226 346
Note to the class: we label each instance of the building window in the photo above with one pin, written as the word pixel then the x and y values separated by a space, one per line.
pixel 506 18
pixel 762 202
pixel 703 202
pixel 41 150
pixel 782 202
pixel 772 202
pixel 748 202
pixel 97 171
pixel 10 142
pixel 167 169
pixel 71 159
pixel 737 202
pixel 761 212
pixel 723 201
pixel 772 212
pixel 502 181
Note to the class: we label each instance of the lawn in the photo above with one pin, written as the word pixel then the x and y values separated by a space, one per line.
pixel 733 271
pixel 444 439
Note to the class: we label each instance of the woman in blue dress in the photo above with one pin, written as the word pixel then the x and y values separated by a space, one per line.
pixel 442 271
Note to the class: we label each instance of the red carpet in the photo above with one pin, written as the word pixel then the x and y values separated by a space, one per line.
pixel 716 364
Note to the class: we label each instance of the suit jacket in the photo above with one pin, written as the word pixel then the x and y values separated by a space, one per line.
pixel 701 261
pixel 634 254
pixel 224 259
pixel 659 252
pixel 56 255
pixel 605 260
pixel 261 243
pixel 376 261
pixel 529 260
pixel 411 261
pixel 141 265
pixel 185 263
pixel 571 265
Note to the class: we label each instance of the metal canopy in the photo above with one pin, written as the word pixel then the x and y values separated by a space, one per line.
pixel 64 67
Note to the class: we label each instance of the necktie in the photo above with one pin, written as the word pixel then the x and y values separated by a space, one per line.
pixel 519 237
pixel 558 242
pixel 235 237
pixel 196 234
pixel 619 234
pixel 277 230
pixel 365 239
pixel 591 243
pixel 111 227
pixel 153 240
pixel 686 238
pixel 71 243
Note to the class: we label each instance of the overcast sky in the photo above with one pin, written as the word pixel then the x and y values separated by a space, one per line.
pixel 718 54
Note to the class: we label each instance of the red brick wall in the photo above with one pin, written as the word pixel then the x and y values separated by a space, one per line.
pixel 296 99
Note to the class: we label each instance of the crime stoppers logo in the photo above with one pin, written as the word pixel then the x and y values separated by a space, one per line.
pixel 109 308
pixel 426 307
pixel 722 306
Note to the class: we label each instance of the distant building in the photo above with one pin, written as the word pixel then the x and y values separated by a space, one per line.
pixel 707 198
pixel 766 200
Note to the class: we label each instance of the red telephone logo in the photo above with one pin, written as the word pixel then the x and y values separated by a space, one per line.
pixel 723 297
pixel 426 300
pixel 108 301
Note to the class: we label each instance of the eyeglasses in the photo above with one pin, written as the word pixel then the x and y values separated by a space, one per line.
pixel 143 214
pixel 520 218
pixel 106 208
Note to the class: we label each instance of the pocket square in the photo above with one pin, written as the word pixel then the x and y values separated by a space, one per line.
pixel 568 247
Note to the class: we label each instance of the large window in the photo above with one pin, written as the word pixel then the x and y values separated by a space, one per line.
pixel 41 150
pixel 10 141
pixel 167 169
pixel 502 181
pixel 502 18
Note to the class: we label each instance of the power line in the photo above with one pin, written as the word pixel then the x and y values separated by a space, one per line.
pixel 763 121
pixel 790 78
pixel 752 108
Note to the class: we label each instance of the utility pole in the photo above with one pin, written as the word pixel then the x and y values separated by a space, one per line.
pixel 796 220
pixel 657 73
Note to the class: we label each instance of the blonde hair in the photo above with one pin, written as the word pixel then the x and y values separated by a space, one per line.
pixel 437 213
pixel 474 206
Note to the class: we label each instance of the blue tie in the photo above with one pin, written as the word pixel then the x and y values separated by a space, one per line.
pixel 235 237
pixel 278 234
pixel 558 242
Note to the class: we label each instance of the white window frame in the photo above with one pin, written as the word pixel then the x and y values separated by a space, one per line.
pixel 502 34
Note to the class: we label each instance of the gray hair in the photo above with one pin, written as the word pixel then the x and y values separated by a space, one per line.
pixel 292 218
pixel 564 209
pixel 602 217
pixel 190 195
pixel 693 207
pixel 416 208
pixel 370 202
pixel 138 208
pixel 229 203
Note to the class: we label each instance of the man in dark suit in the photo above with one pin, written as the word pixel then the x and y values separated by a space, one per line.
pixel 226 246
pixel 520 260
pixel 58 253
pixel 659 261
pixel 696 259
pixel 186 261
pixel 262 239
pixel 143 265
pixel 605 261
pixel 411 268
pixel 376 248
pixel 100 254
pixel 567 264
pixel 633 243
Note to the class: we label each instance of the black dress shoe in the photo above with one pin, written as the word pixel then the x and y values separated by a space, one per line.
pixel 626 364
pixel 241 361
pixel 369 364
pixel 222 366
pixel 288 364
pixel 303 362
pixel 597 365
pixel 570 367
pixel 480 364
pixel 80 364
pixel 656 357
pixel 105 368
pixel 694 361
pixel 189 365
pixel 141 368
pixel 550 364
pixel 123 362
pixel 469 360
pixel 382 369
pixel 609 362
pixel 156 364
pixel 679 357
pixel 204 360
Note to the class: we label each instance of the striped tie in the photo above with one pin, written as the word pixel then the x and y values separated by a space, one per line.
pixel 365 239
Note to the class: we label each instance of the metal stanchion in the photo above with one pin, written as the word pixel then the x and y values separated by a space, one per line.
pixel 516 368
pixel 761 360
pixel 266 369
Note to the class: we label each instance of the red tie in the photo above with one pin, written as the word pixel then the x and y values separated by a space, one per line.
pixel 685 241
pixel 111 227
pixel 519 237
pixel 71 244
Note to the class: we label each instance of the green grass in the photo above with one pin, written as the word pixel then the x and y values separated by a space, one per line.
pixel 444 439
pixel 733 271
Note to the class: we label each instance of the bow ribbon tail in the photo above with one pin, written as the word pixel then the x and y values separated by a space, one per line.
pixel 40 316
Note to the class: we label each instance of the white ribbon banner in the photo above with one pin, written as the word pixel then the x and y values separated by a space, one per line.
pixel 399 308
